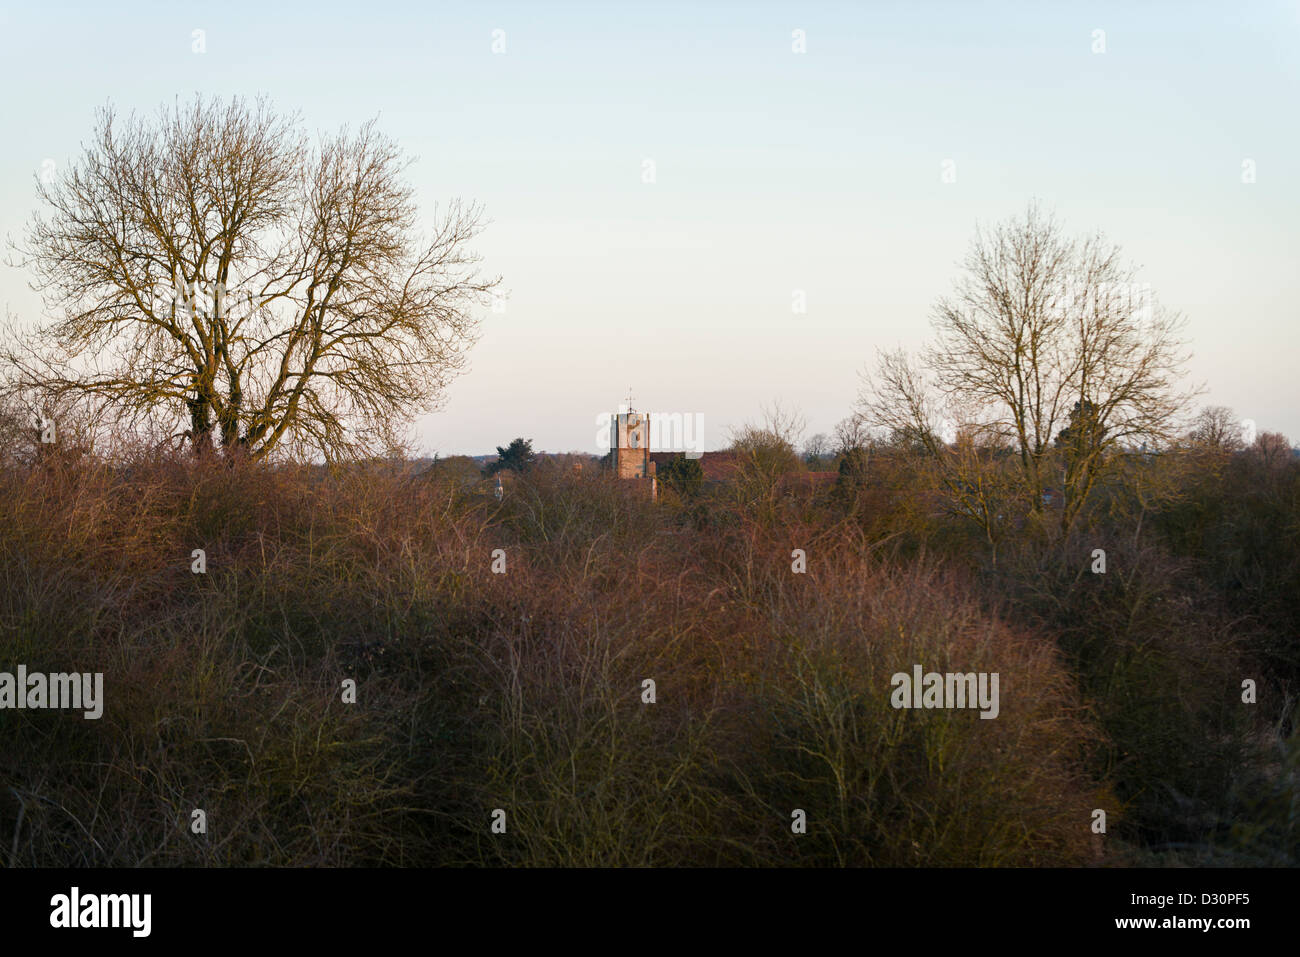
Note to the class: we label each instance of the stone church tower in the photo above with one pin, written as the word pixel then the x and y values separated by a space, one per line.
pixel 629 440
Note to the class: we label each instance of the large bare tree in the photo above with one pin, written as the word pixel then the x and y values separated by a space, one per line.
pixel 214 270
pixel 1046 360
pixel 1216 429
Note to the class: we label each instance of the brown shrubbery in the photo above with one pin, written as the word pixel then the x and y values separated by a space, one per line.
pixel 523 691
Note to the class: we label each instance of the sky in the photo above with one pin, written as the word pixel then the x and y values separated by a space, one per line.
pixel 850 176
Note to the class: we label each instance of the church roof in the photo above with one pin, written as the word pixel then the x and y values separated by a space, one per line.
pixel 715 465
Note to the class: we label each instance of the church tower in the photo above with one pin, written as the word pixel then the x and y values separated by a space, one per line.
pixel 629 440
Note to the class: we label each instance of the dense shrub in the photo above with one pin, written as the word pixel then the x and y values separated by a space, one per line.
pixel 521 687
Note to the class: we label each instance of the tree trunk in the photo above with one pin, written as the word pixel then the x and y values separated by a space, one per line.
pixel 201 425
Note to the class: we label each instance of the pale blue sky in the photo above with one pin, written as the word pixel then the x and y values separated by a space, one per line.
pixel 775 172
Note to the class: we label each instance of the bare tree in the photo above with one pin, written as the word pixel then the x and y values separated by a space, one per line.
pixel 1216 429
pixel 816 448
pixel 1272 449
pixel 764 453
pixel 1047 347
pixel 770 446
pixel 212 271
pixel 851 434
